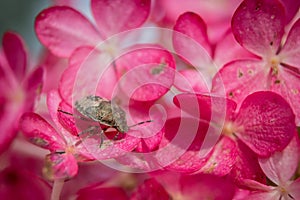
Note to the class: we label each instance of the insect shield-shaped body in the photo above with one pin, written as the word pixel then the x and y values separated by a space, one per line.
pixel 103 111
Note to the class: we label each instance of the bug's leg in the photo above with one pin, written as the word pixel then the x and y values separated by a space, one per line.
pixel 92 130
pixel 75 116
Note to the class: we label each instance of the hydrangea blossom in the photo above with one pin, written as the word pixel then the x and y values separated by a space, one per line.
pixel 259 27
pixel 263 125
pixel 185 137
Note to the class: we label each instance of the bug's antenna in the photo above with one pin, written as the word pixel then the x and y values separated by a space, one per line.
pixel 62 111
pixel 141 123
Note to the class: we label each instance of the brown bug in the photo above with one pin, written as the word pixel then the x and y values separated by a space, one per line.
pixel 105 112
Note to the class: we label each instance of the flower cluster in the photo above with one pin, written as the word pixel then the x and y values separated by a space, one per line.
pixel 154 99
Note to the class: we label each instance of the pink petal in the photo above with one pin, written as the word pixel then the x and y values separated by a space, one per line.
pixel 33 87
pixel 10 113
pixel 63 29
pixel 195 37
pixel 150 143
pixel 191 80
pixel 246 165
pixel 259 26
pixel 228 49
pixel 60 166
pixel 178 150
pixel 150 133
pixel 53 101
pixel 89 72
pixel 257 186
pixel 281 166
pixel 264 195
pixel 150 190
pixel 290 52
pixel 109 148
pixel 266 123
pixel 147 72
pixel 67 121
pixel 294 189
pixel 240 78
pixel 68 77
pixel 39 132
pixel 116 16
pixel 222 158
pixel 98 193
pixel 210 108
pixel 16 54
pixel 206 186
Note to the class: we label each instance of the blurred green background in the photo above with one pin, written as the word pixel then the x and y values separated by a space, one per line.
pixel 18 15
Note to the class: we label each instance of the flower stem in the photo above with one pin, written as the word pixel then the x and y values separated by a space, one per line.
pixel 57 188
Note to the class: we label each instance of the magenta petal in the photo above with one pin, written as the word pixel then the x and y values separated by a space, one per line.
pixel 147 72
pixel 240 78
pixel 290 52
pixel 99 193
pixel 266 123
pixel 67 121
pixel 116 16
pixel 210 108
pixel 109 148
pixel 194 28
pixel 15 52
pixel 246 165
pixel 207 186
pixel 39 132
pixel 292 7
pixel 60 166
pixel 222 159
pixel 191 80
pixel 179 149
pixel 68 77
pixel 33 87
pixel 281 166
pixel 258 25
pixel 150 190
pixel 63 29
pixel 228 49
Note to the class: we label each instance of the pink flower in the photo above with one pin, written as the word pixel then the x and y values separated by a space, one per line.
pixel 19 87
pixel 259 27
pixel 279 168
pixel 263 125
pixel 65 148
pixel 62 29
pixel 191 42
